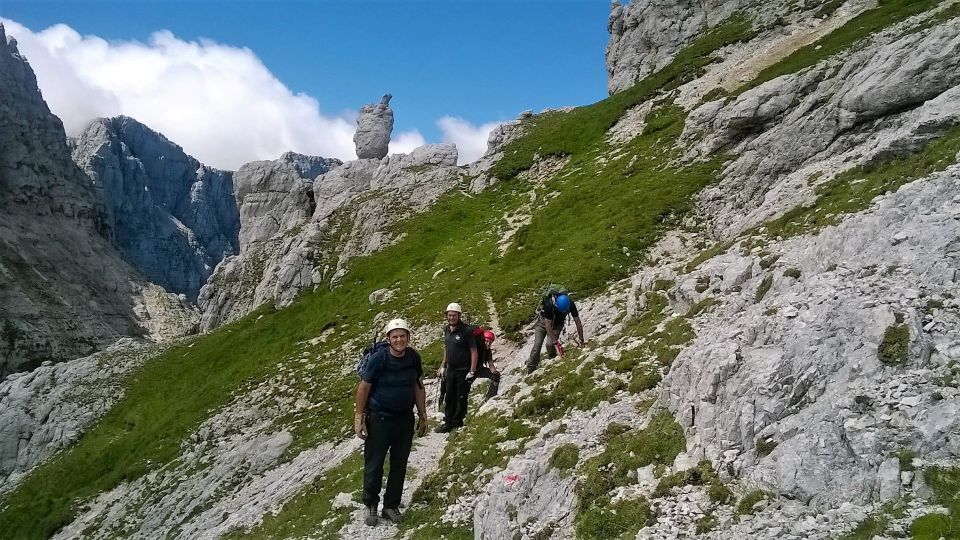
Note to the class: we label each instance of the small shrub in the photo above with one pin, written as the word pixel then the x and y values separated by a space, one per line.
pixel 565 457
pixel 746 504
pixel 792 273
pixel 762 289
pixel 706 524
pixel 604 520
pixel 662 284
pixel 932 527
pixel 644 378
pixel 767 262
pixel 765 446
pixel 703 283
pixel 895 345
pixel 906 457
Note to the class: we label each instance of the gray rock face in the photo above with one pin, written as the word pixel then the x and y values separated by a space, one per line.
pixel 276 200
pixel 374 126
pixel 173 218
pixel 886 99
pixel 645 36
pixel 46 410
pixel 64 290
pixel 813 383
pixel 296 234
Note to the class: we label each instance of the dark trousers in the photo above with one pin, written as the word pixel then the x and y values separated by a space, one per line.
pixel 386 432
pixel 483 372
pixel 457 390
pixel 539 336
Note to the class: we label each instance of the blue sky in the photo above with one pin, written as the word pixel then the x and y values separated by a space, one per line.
pixel 477 61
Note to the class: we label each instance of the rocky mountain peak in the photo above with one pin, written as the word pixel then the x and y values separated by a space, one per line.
pixel 171 216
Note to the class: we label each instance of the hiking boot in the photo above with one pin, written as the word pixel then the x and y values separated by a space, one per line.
pixel 392 515
pixel 444 428
pixel 371 518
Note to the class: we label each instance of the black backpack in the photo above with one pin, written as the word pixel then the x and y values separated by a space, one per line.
pixel 368 353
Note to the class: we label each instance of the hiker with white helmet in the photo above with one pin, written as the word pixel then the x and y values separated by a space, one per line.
pixel 551 316
pixel 458 368
pixel 391 383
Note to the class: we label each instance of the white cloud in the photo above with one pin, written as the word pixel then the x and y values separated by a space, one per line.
pixel 471 140
pixel 220 103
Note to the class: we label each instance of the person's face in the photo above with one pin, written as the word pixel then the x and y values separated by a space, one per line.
pixel 453 317
pixel 398 338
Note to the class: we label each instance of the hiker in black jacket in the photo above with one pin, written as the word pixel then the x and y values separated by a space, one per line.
pixel 458 367
pixel 549 324
pixel 391 384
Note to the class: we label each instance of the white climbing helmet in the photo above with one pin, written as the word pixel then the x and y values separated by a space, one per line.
pixel 395 324
pixel 453 306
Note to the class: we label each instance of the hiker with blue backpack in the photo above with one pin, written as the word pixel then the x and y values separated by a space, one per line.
pixel 391 384
pixel 458 368
pixel 551 316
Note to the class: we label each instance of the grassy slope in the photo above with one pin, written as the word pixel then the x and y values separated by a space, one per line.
pixel 887 13
pixel 173 394
pixel 168 398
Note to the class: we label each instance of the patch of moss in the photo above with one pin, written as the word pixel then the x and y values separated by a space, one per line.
pixel 933 527
pixel 767 262
pixel 706 523
pixel 945 483
pixel 792 273
pixel 895 345
pixel 701 307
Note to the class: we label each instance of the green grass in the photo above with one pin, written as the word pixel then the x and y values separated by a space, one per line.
pixel 887 13
pixel 625 452
pixel 749 500
pixel 945 483
pixel 469 449
pixel 701 475
pixel 876 523
pixel 606 519
pixel 763 288
pixel 895 346
pixel 309 512
pixel 565 457
pixel 550 134
pixel 854 190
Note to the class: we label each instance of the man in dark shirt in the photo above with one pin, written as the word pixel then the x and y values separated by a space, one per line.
pixel 391 384
pixel 458 369
pixel 549 324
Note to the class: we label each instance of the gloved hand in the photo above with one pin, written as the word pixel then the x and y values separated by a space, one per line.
pixel 421 427
pixel 559 347
pixel 359 426
pixel 471 376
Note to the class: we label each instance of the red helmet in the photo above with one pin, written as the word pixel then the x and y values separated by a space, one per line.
pixel 489 336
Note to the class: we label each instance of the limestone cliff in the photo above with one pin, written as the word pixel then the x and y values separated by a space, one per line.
pixel 64 291
pixel 171 217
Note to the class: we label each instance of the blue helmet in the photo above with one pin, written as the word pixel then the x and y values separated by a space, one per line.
pixel 563 303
